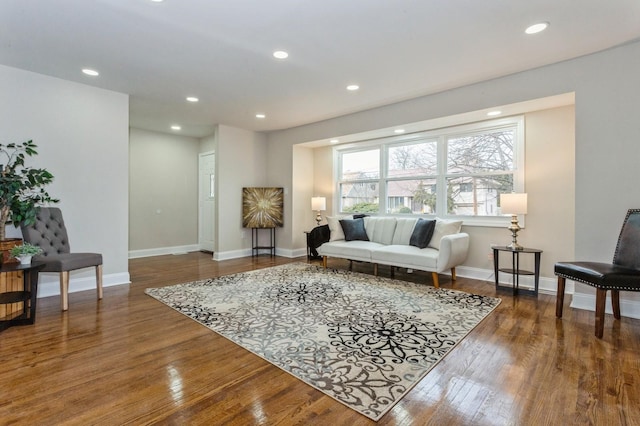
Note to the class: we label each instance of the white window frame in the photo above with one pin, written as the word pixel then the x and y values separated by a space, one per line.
pixel 440 136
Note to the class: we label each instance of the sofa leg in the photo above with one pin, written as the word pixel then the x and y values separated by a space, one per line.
pixel 324 261
pixel 434 276
pixel 453 274
pixel 393 272
pixel 375 269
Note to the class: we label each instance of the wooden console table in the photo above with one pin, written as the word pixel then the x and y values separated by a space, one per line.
pixel 24 298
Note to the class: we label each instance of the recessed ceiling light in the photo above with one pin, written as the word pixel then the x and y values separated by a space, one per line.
pixel 494 113
pixel 536 28
pixel 399 131
pixel 353 87
pixel 280 54
pixel 89 71
pixel 260 116
pixel 334 141
pixel 157 1
pixel 175 127
pixel 192 99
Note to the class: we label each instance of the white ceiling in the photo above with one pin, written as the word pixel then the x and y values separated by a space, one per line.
pixel 221 51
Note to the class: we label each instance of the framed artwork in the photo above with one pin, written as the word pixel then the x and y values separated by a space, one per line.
pixel 262 207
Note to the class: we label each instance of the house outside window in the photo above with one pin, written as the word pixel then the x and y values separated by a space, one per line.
pixel 459 171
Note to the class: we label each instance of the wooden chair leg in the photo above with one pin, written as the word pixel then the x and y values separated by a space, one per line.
pixel 615 303
pixel 434 276
pixel 99 280
pixel 64 290
pixel 560 296
pixel 453 274
pixel 601 297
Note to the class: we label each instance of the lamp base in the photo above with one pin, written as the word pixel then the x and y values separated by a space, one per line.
pixel 318 218
pixel 514 228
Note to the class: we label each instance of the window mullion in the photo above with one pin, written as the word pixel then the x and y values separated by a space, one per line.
pixel 382 185
pixel 441 181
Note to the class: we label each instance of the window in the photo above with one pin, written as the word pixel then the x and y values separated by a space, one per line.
pixel 360 171
pixel 458 171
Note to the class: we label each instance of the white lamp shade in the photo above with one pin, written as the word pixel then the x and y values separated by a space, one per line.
pixel 318 203
pixel 513 203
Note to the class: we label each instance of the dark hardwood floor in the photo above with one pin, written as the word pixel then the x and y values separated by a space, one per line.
pixel 129 359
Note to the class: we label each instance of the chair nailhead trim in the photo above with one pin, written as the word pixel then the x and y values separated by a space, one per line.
pixel 605 287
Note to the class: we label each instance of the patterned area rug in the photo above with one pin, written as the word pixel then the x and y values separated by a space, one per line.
pixel 363 340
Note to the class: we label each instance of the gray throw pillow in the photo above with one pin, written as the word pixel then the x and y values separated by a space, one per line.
pixel 354 229
pixel 422 233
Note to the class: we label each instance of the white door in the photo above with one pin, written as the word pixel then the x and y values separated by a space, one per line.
pixel 206 190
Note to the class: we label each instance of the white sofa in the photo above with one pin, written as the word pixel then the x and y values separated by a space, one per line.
pixel 389 244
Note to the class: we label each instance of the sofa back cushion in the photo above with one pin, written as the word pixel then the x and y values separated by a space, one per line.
pixel 404 229
pixel 354 229
pixel 335 229
pixel 380 229
pixel 422 233
pixel 443 228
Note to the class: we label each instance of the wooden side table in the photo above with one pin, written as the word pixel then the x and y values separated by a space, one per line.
pixel 27 295
pixel 515 270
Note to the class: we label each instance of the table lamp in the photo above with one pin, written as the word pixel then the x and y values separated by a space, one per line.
pixel 318 204
pixel 514 204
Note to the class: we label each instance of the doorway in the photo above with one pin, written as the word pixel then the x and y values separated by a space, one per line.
pixel 206 201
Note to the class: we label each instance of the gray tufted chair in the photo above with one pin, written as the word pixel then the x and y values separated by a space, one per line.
pixel 622 274
pixel 50 234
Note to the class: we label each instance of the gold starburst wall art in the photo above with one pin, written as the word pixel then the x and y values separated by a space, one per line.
pixel 262 207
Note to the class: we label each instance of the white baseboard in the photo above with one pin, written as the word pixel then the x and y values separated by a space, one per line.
pixel 545 285
pixel 235 254
pixel 232 254
pixel 133 254
pixel 628 308
pixel 49 283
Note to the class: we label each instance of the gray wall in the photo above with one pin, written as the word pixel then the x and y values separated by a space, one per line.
pixel 163 192
pixel 240 162
pixel 607 92
pixel 82 135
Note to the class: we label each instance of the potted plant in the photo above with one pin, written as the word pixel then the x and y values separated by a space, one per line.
pixel 21 187
pixel 25 252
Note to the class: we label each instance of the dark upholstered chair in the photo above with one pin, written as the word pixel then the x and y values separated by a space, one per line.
pixel 50 234
pixel 623 274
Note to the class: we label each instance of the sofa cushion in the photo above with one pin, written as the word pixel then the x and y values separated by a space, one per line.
pixel 404 229
pixel 380 229
pixel 406 256
pixel 335 229
pixel 443 228
pixel 357 250
pixel 422 233
pixel 354 229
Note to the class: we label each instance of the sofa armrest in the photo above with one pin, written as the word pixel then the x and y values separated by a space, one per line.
pixel 453 251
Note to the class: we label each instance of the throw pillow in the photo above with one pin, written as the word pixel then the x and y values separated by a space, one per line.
pixel 422 233
pixel 335 229
pixel 354 229
pixel 443 228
